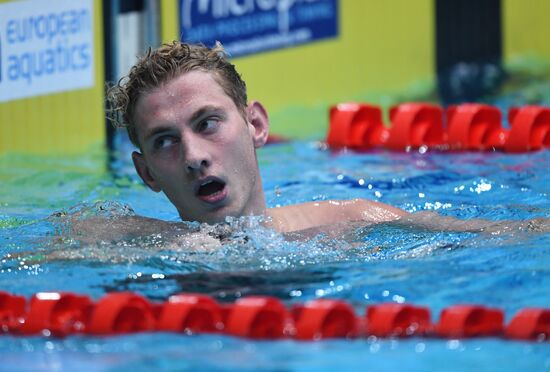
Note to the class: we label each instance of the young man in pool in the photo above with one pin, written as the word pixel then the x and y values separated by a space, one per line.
pixel 186 109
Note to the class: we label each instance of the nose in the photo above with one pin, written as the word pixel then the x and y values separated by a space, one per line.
pixel 196 165
pixel 196 156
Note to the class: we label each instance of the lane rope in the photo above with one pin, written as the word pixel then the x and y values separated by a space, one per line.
pixel 61 314
pixel 415 125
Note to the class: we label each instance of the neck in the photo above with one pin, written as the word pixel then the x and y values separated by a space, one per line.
pixel 256 205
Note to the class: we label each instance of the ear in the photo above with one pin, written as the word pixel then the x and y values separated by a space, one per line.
pixel 258 122
pixel 143 170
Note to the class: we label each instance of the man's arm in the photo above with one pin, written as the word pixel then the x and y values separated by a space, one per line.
pixel 330 212
pixel 314 215
pixel 435 222
pixel 170 235
pixel 98 228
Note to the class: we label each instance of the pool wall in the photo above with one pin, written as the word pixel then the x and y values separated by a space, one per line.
pixel 379 52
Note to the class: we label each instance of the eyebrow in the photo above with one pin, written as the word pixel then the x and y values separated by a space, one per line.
pixel 197 115
pixel 153 132
pixel 203 111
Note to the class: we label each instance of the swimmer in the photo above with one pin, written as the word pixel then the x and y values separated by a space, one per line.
pixel 186 109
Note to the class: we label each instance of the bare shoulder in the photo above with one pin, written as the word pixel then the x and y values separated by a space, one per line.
pixel 314 214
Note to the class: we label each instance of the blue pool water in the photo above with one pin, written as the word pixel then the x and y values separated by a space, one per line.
pixel 367 265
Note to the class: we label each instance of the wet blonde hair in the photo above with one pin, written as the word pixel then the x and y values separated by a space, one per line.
pixel 160 65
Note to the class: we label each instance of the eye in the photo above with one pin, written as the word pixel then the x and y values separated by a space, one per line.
pixel 208 125
pixel 164 142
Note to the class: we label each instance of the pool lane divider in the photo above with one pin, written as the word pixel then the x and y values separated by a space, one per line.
pixel 61 314
pixel 464 127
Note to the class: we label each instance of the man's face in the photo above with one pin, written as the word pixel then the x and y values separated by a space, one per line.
pixel 199 149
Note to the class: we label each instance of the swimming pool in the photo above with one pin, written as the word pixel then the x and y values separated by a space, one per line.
pixel 370 265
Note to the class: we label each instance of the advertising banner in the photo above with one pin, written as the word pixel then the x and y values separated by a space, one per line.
pixel 251 26
pixel 45 47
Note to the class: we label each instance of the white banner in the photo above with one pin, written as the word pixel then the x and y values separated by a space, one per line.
pixel 45 47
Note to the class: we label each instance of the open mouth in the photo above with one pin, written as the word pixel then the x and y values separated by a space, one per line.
pixel 211 190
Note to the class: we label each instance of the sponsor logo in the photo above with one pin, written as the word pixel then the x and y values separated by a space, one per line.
pixel 250 26
pixel 45 47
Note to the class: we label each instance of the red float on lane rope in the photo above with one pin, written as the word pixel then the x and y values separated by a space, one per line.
pixel 530 324
pixel 357 126
pixel 470 321
pixel 530 129
pixel 415 125
pixel 402 320
pixel 122 312
pixel 257 317
pixel 474 126
pixel 324 318
pixel 12 310
pixel 194 313
pixel 59 313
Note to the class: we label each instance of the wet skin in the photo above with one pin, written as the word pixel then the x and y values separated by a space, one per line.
pixel 191 133
pixel 199 149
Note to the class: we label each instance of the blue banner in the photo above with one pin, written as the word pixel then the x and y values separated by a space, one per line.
pixel 251 26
